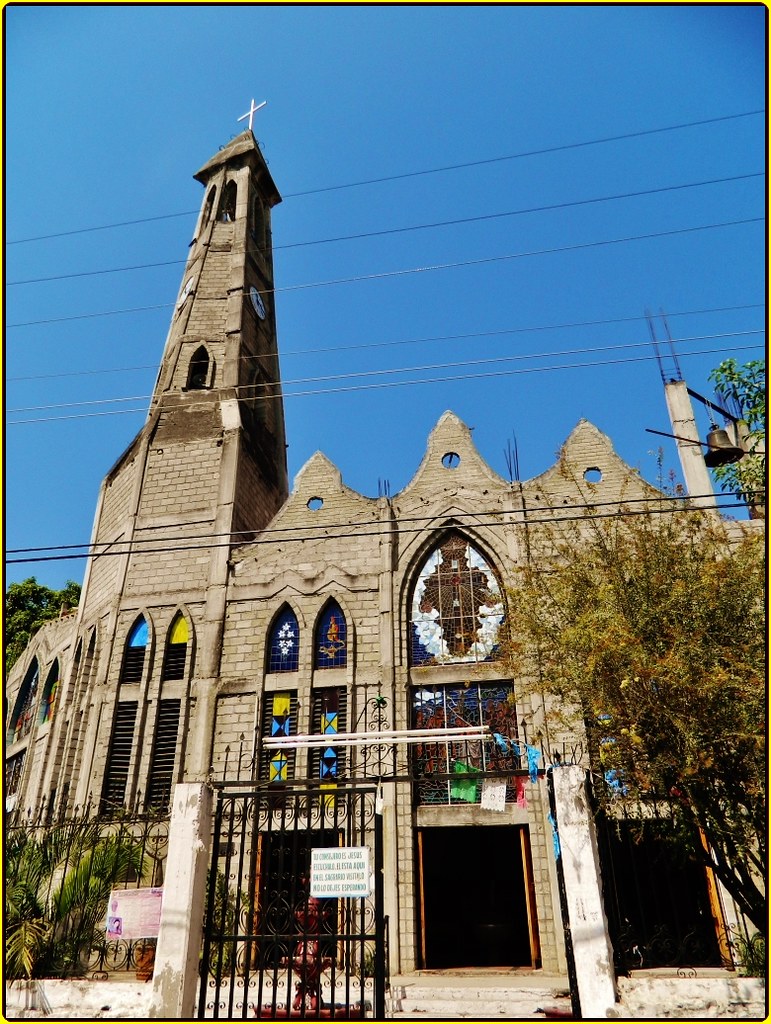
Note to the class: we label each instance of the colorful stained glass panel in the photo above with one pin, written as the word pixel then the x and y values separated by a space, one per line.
pixel 331 638
pixel 50 691
pixel 456 606
pixel 284 643
pixel 438 707
pixel 179 633
pixel 23 713
pixel 139 633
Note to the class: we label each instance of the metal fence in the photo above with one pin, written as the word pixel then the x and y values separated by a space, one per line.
pixel 273 950
pixel 59 876
pixel 662 906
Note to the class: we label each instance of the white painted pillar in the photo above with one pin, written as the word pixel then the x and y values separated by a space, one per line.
pixel 697 479
pixel 592 951
pixel 175 978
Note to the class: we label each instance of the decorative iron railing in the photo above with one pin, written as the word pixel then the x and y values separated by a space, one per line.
pixel 61 871
pixel 271 948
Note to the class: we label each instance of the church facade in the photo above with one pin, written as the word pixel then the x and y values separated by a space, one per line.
pixel 219 608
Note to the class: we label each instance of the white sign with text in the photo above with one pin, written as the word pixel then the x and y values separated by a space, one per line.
pixel 340 871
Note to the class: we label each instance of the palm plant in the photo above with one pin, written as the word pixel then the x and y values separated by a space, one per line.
pixel 58 882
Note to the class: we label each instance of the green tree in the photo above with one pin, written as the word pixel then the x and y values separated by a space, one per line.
pixel 58 882
pixel 743 390
pixel 27 606
pixel 651 629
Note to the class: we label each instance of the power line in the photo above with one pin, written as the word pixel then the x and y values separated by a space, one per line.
pixel 266 387
pixel 405 383
pixel 412 174
pixel 413 227
pixel 412 341
pixel 387 531
pixel 90 316
pixel 661 496
pixel 382 275
pixel 528 153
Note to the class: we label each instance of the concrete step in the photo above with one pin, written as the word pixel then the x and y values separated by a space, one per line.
pixel 474 1009
pixel 475 999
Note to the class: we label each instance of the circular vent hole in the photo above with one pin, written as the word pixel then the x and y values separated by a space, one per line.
pixel 592 475
pixel 451 460
pixel 315 504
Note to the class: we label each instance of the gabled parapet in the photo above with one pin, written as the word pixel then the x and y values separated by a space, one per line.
pixel 451 460
pixel 589 466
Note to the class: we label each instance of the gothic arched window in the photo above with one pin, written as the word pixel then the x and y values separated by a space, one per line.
pixel 198 371
pixel 331 647
pixel 176 649
pixel 456 607
pixel 284 643
pixel 209 205
pixel 23 712
pixel 134 656
pixel 227 210
pixel 50 691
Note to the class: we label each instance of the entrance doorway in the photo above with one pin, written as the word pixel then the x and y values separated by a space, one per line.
pixel 477 906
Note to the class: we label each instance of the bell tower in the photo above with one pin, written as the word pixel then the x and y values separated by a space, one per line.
pixel 206 472
pixel 208 469
pixel 221 350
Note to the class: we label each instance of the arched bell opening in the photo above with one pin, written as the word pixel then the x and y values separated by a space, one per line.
pixel 200 371
pixel 226 213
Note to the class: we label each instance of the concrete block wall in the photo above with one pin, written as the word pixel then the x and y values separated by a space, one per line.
pixel 116 504
pixel 207 317
pixel 174 565
pixel 105 575
pixel 53 642
pixel 257 500
pixel 181 478
pixel 236 719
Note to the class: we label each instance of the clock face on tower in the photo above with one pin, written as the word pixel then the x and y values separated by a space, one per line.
pixel 259 305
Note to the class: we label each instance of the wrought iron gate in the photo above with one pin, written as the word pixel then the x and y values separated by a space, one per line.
pixel 658 902
pixel 271 949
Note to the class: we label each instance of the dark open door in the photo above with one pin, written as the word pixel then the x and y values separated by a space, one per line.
pixel 474 898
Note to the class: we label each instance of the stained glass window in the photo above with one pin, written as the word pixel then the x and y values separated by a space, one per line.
pixel 284 644
pixel 457 606
pixel 50 691
pixel 134 656
pixel 176 649
pixel 24 709
pixel 331 648
pixel 13 770
pixel 328 719
pixel 279 718
pixel 455 706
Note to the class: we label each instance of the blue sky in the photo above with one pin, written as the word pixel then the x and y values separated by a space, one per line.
pixel 110 110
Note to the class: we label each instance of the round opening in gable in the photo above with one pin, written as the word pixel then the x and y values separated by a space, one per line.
pixel 451 460
pixel 314 504
pixel 593 475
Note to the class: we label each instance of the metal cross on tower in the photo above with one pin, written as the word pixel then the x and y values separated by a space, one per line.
pixel 252 111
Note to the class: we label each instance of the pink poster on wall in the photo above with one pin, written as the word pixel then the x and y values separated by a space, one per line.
pixel 134 913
